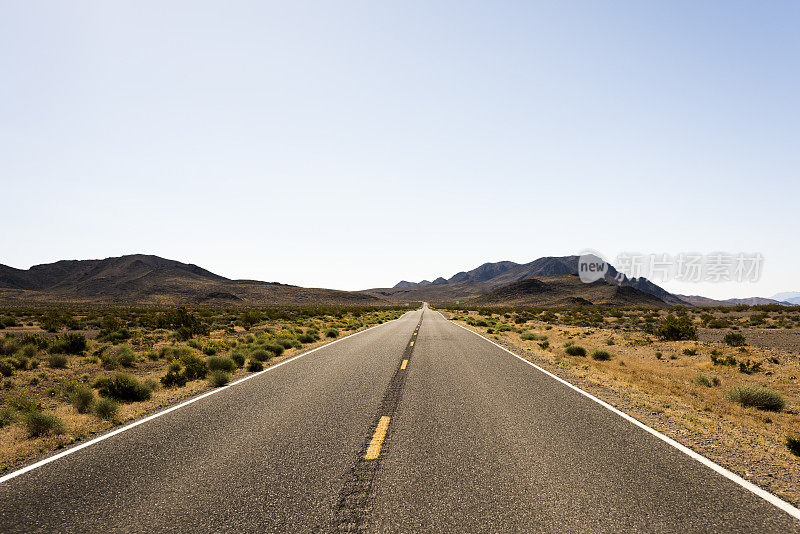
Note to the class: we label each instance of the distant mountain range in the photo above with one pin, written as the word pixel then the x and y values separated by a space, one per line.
pixel 142 280
pixel 792 297
pixel 145 280
pixel 556 283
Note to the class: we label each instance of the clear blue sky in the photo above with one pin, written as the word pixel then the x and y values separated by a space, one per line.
pixel 354 144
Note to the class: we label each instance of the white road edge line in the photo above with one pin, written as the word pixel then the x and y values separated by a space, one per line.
pixel 71 450
pixel 749 486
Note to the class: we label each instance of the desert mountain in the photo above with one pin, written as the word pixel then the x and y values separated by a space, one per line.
pixel 142 280
pixel 697 300
pixel 484 279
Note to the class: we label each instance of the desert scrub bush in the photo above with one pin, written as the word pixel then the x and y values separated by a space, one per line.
pixel 219 378
pixel 6 367
pixel 529 336
pixel 123 387
pixel 24 401
pixel 756 396
pixel 793 444
pixel 82 398
pixel 70 343
pixel 734 340
pixel 254 366
pixel 57 361
pixel 220 363
pixel 601 355
pixel 306 338
pixel 544 345
pixel 275 348
pixel 708 381
pixel 575 350
pixel 42 424
pixel 106 408
pixel 331 332
pixel 174 377
pixel 673 328
pixel 195 367
pixel 749 367
pixel 109 360
pixel 690 352
pixel 238 358
pixel 7 416
pixel 261 355
pixel 125 355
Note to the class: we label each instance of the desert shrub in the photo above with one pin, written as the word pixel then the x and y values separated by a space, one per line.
pixel 6 367
pixel 7 416
pixel 24 402
pixel 674 328
pixel 529 336
pixel 261 355
pixel 276 348
pixel 749 367
pixel 195 366
pixel 238 358
pixel 734 340
pixel 306 338
pixel 602 355
pixel 254 366
pixel 575 350
pixel 82 398
pixel 125 355
pixel 689 352
pixel 174 378
pixel 610 341
pixel 756 396
pixel 105 408
pixel 219 378
pixel 109 360
pixel 659 355
pixel 544 344
pixel 57 361
pixel 708 381
pixel 220 363
pixel 42 424
pixel 331 332
pixel 123 387
pixel 70 343
pixel 286 343
pixel 793 443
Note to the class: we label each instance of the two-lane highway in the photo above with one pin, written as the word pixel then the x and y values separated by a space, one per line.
pixel 413 426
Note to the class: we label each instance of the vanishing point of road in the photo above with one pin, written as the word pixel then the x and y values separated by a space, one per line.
pixel 416 425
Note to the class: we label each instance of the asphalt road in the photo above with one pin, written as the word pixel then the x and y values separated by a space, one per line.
pixel 462 437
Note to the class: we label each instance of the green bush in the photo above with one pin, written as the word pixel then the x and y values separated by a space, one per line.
pixel 689 352
pixel 42 424
pixel 528 336
pixel 674 328
pixel 254 366
pixel 275 348
pixel 261 355
pixel 109 360
pixel 6 367
pixel 174 378
pixel 575 350
pixel 125 355
pixel 756 396
pixel 82 398
pixel 286 343
pixel 57 361
pixel 219 378
pixel 122 387
pixel 793 443
pixel 734 339
pixel 24 402
pixel 331 332
pixel 7 416
pixel 106 408
pixel 601 355
pixel 195 366
pixel 708 381
pixel 749 367
pixel 220 363
pixel 70 343
pixel 238 357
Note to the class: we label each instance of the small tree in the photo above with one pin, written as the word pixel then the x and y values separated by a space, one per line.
pixel 674 328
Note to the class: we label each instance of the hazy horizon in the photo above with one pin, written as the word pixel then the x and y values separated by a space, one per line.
pixel 353 145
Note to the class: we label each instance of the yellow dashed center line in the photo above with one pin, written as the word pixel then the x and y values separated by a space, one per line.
pixel 374 448
pixel 404 364
pixel 412 344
